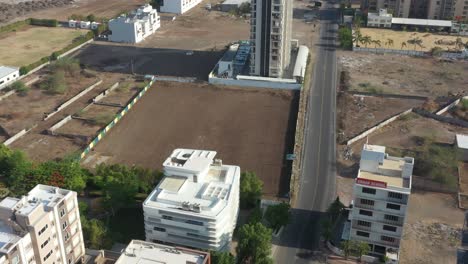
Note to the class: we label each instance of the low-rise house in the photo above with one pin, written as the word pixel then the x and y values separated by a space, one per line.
pixel 178 6
pixel 136 26
pixel 8 75
pixel 462 147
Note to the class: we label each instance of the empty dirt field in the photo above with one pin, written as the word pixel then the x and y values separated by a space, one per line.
pixel 30 43
pixel 252 128
pixel 404 75
pixel 429 40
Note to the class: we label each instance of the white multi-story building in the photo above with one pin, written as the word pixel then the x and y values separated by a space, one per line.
pixel 178 6
pixel 380 199
pixel 197 202
pixel 270 37
pixel 138 252
pixel 136 26
pixel 8 75
pixel 381 19
pixel 41 228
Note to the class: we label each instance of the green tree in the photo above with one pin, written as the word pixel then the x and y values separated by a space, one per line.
pixel 222 258
pixel 255 216
pixel 357 38
pixel 250 190
pixel 366 40
pixel 335 208
pixel 277 215
pixel 361 248
pixel 91 18
pixel 74 176
pixel 254 244
pixel 23 70
pixel 345 37
pixel 16 169
pixel 347 247
pixel 244 8
pixel 95 234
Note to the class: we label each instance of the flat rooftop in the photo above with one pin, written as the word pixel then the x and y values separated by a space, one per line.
pixel 194 182
pixel 142 252
pixel 462 141
pixel 421 22
pixel 5 70
pixel 41 194
pixel 7 237
pixel 389 180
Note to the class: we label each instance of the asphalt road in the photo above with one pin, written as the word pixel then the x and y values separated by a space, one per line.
pixel 301 237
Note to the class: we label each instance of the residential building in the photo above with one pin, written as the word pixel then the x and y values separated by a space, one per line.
pixel 229 5
pixel 398 8
pixel 271 29
pixel 462 147
pixel 381 19
pixel 197 202
pixel 380 199
pixel 138 252
pixel 459 28
pixel 441 9
pixel 461 10
pixel 8 75
pixel 178 6
pixel 234 60
pixel 42 227
pixel 136 26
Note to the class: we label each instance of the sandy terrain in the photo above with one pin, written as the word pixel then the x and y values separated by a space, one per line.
pixel 31 43
pixel 253 128
pixel 403 74
pixel 429 40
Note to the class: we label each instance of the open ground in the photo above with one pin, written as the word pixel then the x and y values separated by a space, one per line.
pixel 429 40
pixel 31 43
pixel 252 128
pixel 399 74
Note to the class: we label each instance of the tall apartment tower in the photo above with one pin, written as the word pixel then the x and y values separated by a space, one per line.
pixel 270 36
pixel 380 199
pixel 441 9
pixel 41 228
pixel 196 204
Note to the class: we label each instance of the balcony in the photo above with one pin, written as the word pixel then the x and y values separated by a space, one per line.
pixel 364 206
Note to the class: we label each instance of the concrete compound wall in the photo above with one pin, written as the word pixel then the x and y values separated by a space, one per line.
pixel 176 79
pixel 73 99
pixel 117 118
pixel 106 92
pixel 450 106
pixel 59 124
pixel 376 127
pixel 446 55
pixel 252 83
pixel 17 136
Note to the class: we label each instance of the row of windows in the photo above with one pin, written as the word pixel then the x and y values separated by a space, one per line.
pixel 393 195
pixel 45 243
pixel 192 222
pixel 383 238
pixel 369 224
pixel 43 229
pixel 386 216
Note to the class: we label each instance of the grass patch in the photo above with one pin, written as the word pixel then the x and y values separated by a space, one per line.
pixel 369 88
pixel 409 116
pixel 464 104
pixel 102 119
pixel 123 87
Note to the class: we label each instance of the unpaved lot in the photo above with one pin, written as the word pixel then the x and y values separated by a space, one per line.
pixel 252 128
pixel 398 74
pixel 432 230
pixel 31 43
pixel 429 40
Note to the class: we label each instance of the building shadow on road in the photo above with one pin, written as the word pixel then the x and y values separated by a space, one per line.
pixel 302 233
pixel 141 60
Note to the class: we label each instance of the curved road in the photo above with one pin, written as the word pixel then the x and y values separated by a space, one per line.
pixel 317 183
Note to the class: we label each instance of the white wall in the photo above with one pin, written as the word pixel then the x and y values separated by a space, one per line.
pixel 9 79
pixel 178 6
pixel 122 32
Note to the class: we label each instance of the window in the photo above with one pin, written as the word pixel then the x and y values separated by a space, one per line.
pixel 367 202
pixel 62 212
pixel 193 222
pixel 365 212
pixel 391 217
pixel 393 206
pixel 368 190
pixel 387 238
pixel 364 223
pixel 159 229
pixel 64 225
pixel 363 234
pixel 167 217
pixel 67 236
pixel 45 243
pixel 389 228
pixel 43 229
pixel 48 255
pixel 395 195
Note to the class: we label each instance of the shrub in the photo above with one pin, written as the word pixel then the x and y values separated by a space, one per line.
pixel 44 22
pixel 464 104
pixel 68 65
pixel 55 84
pixel 345 37
pixel 20 87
